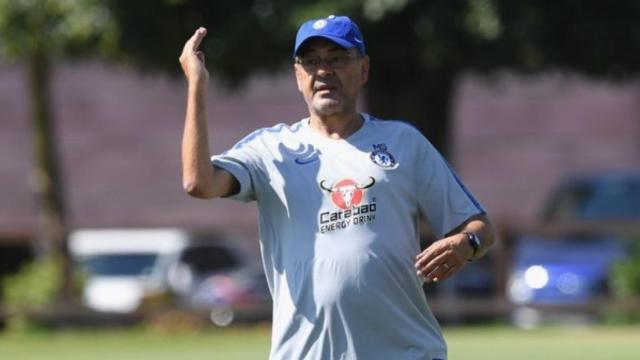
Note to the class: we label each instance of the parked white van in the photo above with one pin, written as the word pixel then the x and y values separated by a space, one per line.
pixel 125 265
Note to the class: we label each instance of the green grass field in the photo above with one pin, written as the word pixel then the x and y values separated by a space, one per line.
pixel 478 343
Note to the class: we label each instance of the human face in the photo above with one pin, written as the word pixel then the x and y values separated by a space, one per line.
pixel 330 77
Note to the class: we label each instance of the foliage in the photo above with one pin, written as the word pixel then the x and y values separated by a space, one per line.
pixel 625 287
pixel 55 27
pixel 244 37
pixel 33 288
pixel 626 275
pixel 529 35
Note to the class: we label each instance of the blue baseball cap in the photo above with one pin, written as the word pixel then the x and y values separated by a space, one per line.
pixel 338 29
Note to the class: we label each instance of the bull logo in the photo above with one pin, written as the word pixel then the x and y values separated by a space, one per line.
pixel 347 193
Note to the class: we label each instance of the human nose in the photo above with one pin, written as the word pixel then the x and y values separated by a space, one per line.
pixel 325 66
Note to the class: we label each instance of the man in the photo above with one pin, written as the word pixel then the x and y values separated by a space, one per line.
pixel 339 195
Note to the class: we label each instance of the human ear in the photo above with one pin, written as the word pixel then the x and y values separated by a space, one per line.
pixel 296 72
pixel 365 69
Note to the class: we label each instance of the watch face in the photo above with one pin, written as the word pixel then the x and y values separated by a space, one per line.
pixel 474 240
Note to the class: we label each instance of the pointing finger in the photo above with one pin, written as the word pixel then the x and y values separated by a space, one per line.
pixel 196 39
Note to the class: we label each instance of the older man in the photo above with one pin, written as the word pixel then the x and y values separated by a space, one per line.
pixel 339 196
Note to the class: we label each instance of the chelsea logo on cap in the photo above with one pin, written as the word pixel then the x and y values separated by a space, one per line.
pixel 337 29
pixel 320 24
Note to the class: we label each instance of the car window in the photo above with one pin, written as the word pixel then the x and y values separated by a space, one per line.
pixel 119 264
pixel 614 200
pixel 607 200
pixel 567 202
pixel 206 259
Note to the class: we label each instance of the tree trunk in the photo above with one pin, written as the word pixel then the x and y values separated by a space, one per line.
pixel 420 97
pixel 45 175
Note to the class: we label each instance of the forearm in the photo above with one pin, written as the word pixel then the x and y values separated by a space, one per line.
pixel 197 170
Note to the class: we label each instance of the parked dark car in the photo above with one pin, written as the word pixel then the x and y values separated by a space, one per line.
pixel 240 296
pixel 570 267
pixel 219 281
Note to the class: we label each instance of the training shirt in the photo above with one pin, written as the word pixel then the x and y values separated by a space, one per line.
pixel 339 234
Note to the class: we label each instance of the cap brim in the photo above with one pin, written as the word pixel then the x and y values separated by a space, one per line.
pixel 339 41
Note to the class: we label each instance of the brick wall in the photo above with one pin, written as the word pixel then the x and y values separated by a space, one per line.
pixel 120 139
pixel 516 136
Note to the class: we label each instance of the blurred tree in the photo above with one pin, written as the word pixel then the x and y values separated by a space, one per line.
pixel 34 33
pixel 418 48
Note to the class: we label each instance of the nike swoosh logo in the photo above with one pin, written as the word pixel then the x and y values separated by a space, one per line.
pixel 304 161
pixel 357 40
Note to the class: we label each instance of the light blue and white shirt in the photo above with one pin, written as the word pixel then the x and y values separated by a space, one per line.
pixel 339 235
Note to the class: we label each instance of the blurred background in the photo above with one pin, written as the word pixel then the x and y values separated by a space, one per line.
pixel 535 103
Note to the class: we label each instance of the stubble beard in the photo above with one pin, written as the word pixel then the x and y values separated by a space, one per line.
pixel 328 107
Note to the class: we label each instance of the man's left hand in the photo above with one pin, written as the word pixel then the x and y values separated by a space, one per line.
pixel 444 258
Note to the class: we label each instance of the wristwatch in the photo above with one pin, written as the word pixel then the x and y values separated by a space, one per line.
pixel 474 240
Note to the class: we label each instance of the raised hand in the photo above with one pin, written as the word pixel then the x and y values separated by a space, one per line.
pixel 192 59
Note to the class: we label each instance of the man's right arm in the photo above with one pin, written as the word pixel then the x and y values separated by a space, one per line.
pixel 199 177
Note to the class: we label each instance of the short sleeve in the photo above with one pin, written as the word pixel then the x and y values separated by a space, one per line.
pixel 442 197
pixel 244 163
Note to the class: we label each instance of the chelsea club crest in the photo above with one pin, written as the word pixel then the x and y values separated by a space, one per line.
pixel 382 157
